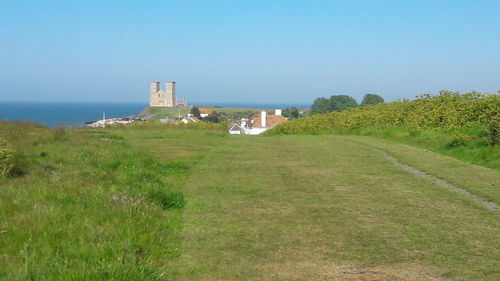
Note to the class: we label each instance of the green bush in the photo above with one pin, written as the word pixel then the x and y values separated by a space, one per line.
pixel 291 113
pixel 448 110
pixel 458 140
pixel 494 131
pixel 371 99
pixel 6 157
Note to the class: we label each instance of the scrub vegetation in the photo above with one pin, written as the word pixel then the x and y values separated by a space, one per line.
pixel 87 205
pixel 222 114
pixel 466 126
pixel 157 202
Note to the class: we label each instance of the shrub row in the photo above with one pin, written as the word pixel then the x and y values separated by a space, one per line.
pixel 448 110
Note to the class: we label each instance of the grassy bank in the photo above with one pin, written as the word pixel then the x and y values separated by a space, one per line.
pixel 465 126
pixel 159 113
pixel 472 146
pixel 87 205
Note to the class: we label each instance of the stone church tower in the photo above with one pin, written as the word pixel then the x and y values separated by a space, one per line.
pixel 164 98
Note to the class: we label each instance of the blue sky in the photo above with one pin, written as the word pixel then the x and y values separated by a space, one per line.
pixel 246 51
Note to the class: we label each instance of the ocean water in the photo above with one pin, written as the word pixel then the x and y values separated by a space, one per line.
pixel 53 114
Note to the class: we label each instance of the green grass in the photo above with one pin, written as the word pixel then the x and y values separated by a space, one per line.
pixel 475 149
pixel 168 113
pixel 326 207
pixel 470 144
pixel 477 179
pixel 167 204
pixel 86 205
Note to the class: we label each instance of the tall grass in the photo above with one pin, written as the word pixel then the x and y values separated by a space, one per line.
pixel 6 157
pixel 85 205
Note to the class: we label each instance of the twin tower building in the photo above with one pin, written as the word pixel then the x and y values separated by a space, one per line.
pixel 164 98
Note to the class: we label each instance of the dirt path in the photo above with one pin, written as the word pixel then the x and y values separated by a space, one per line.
pixel 485 203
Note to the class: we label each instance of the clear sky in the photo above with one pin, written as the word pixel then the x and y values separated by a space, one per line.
pixel 246 51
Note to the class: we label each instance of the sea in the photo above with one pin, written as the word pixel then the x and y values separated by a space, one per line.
pixel 75 114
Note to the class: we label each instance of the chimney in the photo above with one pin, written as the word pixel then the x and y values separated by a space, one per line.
pixel 263 117
pixel 277 112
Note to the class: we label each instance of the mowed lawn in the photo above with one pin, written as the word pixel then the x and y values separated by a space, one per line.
pixel 329 208
pixel 256 208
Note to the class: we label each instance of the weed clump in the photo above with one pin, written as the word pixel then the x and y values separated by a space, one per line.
pixel 457 141
pixel 6 157
pixel 60 134
pixel 494 132
pixel 167 199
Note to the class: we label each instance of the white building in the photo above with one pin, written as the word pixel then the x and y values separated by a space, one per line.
pixel 190 119
pixel 257 124
pixel 236 129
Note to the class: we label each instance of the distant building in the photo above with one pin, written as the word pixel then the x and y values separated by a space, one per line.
pixel 204 112
pixel 190 119
pixel 236 129
pixel 257 124
pixel 164 98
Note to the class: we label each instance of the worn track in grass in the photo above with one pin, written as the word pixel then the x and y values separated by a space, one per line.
pixel 481 201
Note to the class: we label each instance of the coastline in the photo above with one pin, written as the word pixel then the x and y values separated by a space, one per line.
pixel 77 114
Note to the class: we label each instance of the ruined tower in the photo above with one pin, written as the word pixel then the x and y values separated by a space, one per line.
pixel 165 98
pixel 154 94
pixel 171 98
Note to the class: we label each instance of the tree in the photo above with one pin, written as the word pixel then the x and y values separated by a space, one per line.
pixel 320 105
pixel 371 99
pixel 213 117
pixel 291 113
pixel 196 112
pixel 341 102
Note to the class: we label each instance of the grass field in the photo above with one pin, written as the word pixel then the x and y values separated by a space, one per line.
pixel 168 113
pixel 475 150
pixel 97 204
